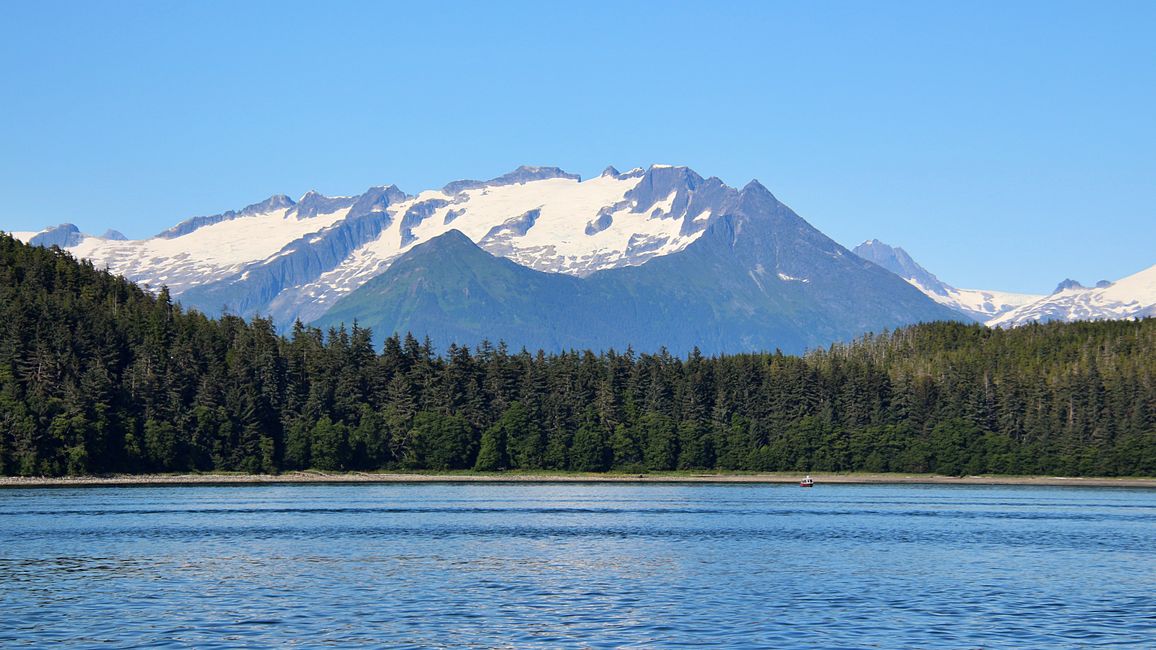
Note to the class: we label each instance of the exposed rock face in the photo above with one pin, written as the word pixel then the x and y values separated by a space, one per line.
pixel 271 204
pixel 1066 284
pixel 313 204
pixel 65 235
pixel 519 176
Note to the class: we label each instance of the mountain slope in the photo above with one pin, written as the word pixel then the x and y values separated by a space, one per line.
pixel 294 259
pixel 1130 297
pixel 758 278
pixel 977 304
pixel 451 290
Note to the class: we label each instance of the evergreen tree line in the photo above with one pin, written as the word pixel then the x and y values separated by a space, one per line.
pixel 98 375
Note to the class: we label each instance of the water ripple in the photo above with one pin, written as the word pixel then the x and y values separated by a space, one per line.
pixel 547 566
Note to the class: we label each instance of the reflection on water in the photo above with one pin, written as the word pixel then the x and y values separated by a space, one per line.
pixel 590 565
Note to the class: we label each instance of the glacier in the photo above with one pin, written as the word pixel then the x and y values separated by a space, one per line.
pixel 294 259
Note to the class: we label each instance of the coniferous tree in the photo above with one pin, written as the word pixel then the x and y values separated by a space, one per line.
pixel 98 375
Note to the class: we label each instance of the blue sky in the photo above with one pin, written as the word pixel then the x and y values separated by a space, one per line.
pixel 1005 145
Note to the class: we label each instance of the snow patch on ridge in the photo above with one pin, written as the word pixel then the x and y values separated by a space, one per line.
pixel 1130 297
pixel 977 302
pixel 209 252
pixel 786 278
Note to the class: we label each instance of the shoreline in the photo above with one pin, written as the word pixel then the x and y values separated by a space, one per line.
pixel 139 480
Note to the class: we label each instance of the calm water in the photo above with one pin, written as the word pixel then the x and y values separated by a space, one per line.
pixel 556 565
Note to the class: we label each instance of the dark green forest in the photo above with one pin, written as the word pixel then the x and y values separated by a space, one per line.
pixel 100 376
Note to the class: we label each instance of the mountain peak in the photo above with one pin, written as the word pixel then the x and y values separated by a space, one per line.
pixel 610 171
pixel 527 173
pixel 449 240
pixel 756 187
pixel 1068 283
pixel 64 235
pixel 669 177
pixel 275 202
pixel 538 170
pixel 874 248
pixel 377 199
pixel 754 198
pixel 452 244
pixel 313 203
pixel 896 260
pixel 523 174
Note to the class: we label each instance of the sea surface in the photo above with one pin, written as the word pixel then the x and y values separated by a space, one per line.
pixel 578 565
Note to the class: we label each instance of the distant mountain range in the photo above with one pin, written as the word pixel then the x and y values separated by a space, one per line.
pixel 978 304
pixel 650 257
pixel 1130 297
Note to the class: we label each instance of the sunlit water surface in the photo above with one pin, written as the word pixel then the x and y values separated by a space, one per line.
pixel 578 565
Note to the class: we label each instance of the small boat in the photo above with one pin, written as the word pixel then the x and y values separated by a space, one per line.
pixel 807 482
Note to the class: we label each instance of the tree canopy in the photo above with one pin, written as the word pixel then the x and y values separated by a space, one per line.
pixel 98 375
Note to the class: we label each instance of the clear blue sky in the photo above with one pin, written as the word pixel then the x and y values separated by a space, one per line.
pixel 1004 144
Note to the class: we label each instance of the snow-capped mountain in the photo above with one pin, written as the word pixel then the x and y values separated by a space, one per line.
pixel 980 305
pixel 758 278
pixel 293 259
pixel 296 259
pixel 1130 297
pixel 540 218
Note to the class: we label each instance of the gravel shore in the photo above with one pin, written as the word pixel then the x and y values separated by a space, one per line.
pixel 320 477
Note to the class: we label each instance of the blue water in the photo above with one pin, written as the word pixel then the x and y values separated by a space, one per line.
pixel 578 565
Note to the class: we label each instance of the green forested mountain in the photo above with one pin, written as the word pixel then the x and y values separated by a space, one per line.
pixel 97 375
pixel 759 277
